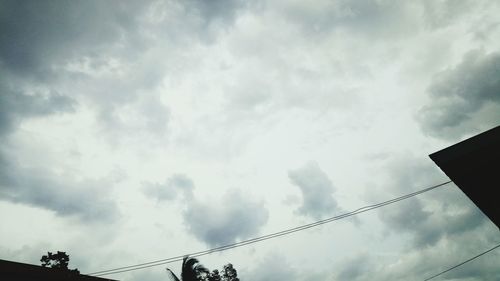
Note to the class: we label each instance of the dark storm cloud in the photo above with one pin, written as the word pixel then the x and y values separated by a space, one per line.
pixel 317 191
pixel 40 187
pixel 39 40
pixel 35 35
pixel 170 188
pixel 461 96
pixel 234 217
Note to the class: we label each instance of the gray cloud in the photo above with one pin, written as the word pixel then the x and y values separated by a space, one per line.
pixel 417 263
pixel 317 191
pixel 465 99
pixel 429 227
pixel 55 55
pixel 77 49
pixel 87 199
pixel 107 53
pixel 428 218
pixel 39 186
pixel 170 188
pixel 233 218
pixel 451 231
pixel 16 106
pixel 37 35
pixel 441 221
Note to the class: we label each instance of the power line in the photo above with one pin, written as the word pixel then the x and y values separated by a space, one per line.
pixel 264 237
pixel 462 263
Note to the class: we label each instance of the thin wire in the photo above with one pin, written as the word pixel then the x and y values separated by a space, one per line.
pixel 462 263
pixel 264 237
pixel 261 238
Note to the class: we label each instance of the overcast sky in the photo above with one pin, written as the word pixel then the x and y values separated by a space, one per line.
pixel 132 131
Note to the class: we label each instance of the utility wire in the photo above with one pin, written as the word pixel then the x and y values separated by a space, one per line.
pixel 462 263
pixel 264 237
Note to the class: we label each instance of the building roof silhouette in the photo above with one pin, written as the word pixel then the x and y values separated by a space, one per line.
pixel 10 270
pixel 474 166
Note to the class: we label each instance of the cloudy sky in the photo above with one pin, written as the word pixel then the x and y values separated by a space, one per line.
pixel 133 131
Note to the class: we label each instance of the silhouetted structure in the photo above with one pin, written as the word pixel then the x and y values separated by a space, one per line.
pixel 474 166
pixel 10 270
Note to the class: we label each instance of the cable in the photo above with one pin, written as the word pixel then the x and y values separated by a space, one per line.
pixel 462 263
pixel 264 237
pixel 261 238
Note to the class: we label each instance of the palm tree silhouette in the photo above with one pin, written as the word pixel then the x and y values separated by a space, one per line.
pixel 192 270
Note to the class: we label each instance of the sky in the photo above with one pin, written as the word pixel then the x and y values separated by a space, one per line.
pixel 133 131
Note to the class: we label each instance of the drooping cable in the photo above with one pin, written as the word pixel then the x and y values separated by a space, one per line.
pixel 264 237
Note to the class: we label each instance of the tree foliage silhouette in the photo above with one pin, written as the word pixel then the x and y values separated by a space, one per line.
pixel 60 260
pixel 229 273
pixel 192 270
pixel 214 276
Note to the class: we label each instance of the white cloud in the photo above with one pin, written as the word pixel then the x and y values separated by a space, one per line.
pixel 177 183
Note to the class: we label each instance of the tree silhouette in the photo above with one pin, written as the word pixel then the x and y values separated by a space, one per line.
pixel 60 260
pixel 191 270
pixel 229 273
pixel 214 276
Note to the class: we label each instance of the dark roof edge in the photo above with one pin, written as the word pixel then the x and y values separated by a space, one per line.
pixel 467 146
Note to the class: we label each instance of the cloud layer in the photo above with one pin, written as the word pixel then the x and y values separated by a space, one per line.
pixel 39 186
pixel 86 199
pixel 233 93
